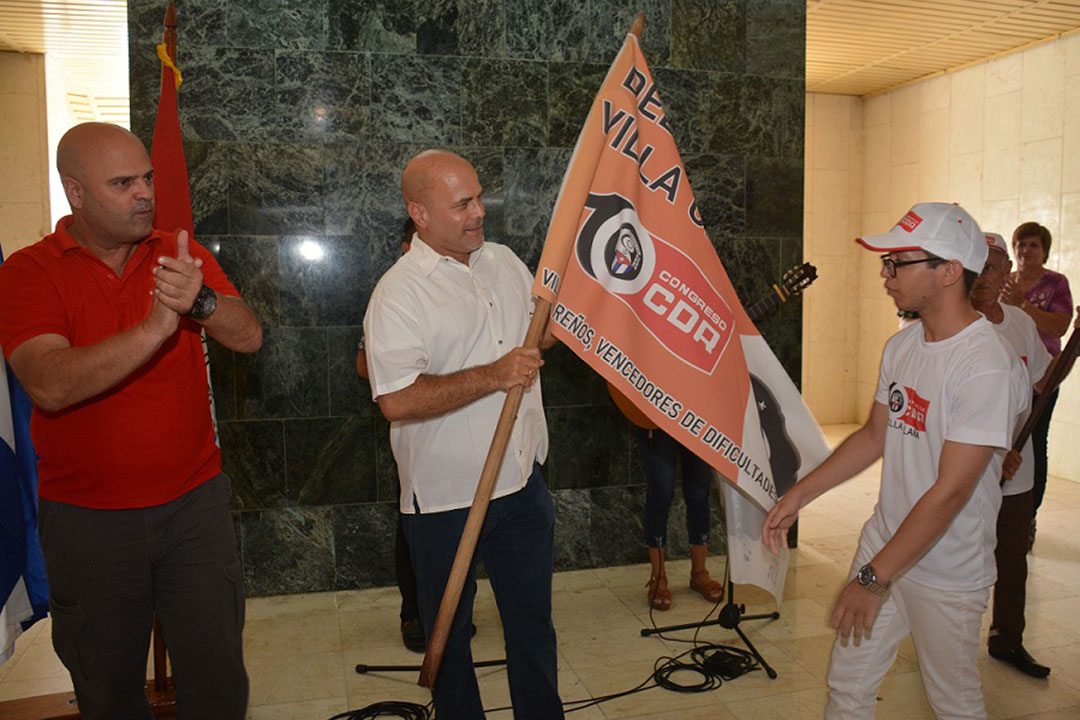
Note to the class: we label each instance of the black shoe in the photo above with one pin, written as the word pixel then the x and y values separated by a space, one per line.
pixel 412 634
pixel 1022 661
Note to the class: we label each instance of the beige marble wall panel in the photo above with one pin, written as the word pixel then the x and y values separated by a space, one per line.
pixel 24 211
pixel 877 110
pixel 1070 170
pixel 1072 55
pixel 934 93
pixel 832 139
pixel 965 181
pixel 966 111
pixel 1064 450
pixel 876 168
pixel 1043 92
pixel 904 188
pixel 1040 183
pixel 828 223
pixel 1004 75
pixel 832 204
pixel 23 173
pixel 905 125
pixel 933 158
pixel 1001 155
pixel 1066 249
pixel 999 216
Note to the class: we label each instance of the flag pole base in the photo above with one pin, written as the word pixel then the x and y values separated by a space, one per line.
pixel 730 616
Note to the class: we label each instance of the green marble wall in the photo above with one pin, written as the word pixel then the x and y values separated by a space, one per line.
pixel 298 116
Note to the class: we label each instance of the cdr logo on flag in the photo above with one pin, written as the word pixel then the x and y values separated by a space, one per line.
pixel 662 286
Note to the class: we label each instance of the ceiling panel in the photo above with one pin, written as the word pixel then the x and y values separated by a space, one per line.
pixel 865 47
pixel 86 39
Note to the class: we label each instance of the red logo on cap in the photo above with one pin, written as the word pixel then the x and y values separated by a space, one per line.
pixel 910 221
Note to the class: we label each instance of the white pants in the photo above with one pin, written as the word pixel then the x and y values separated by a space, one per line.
pixel 945 628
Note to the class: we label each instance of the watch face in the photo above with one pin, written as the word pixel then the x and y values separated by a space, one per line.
pixel 866 575
pixel 204 305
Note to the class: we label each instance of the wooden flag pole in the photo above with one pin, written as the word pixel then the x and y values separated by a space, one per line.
pixel 1061 369
pixel 161 677
pixel 469 537
pixel 169 36
pixel 429 671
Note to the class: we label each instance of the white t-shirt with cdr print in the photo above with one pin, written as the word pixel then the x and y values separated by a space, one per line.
pixel 969 388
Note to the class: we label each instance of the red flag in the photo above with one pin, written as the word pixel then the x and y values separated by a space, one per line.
pixel 173 196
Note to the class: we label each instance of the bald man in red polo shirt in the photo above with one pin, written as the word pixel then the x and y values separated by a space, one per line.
pixel 101 322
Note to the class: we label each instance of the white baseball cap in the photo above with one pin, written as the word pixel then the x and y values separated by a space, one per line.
pixel 942 229
pixel 996 241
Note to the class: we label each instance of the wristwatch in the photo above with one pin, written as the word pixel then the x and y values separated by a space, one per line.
pixel 867 578
pixel 205 304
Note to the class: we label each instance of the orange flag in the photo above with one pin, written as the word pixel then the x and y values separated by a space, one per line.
pixel 173 195
pixel 637 289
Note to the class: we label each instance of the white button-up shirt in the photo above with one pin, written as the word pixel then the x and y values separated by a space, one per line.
pixel 431 315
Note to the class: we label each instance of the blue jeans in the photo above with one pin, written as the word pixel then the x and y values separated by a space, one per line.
pixel 658 453
pixel 517 547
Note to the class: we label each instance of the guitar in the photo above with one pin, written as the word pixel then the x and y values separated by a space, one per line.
pixel 793 283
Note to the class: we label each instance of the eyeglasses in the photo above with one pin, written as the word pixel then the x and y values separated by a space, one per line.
pixel 891 265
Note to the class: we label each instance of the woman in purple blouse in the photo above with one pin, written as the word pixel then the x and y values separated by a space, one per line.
pixel 1044 295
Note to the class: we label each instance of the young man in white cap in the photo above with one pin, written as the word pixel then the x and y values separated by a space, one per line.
pixel 949 393
pixel 1017 505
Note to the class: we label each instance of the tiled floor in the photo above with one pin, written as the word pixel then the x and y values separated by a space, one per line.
pixel 302 650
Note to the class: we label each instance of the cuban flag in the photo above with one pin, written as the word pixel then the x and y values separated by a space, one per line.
pixel 24 592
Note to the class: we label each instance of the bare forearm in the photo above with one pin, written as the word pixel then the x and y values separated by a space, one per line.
pixel 60 376
pixel 434 395
pixel 1046 322
pixel 234 325
pixel 926 522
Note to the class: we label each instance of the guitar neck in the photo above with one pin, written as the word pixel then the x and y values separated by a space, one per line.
pixel 767 303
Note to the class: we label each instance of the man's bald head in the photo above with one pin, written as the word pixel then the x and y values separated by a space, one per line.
pixel 109 183
pixel 426 170
pixel 81 145
pixel 443 196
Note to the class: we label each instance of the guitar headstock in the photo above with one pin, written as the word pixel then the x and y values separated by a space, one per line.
pixel 798 279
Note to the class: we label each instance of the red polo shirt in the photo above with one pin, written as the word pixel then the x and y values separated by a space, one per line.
pixel 147 440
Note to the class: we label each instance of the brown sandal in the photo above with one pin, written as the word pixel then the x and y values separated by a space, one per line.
pixel 659 595
pixel 703 583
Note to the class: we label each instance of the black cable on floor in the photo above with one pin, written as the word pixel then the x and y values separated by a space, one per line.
pixel 389 709
pixel 709 665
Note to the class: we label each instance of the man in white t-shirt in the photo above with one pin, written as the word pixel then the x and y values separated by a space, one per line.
pixel 949 393
pixel 1017 505
pixel 444 329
